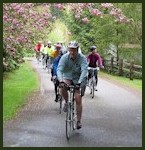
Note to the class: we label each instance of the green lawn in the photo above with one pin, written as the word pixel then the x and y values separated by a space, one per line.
pixel 17 86
pixel 135 83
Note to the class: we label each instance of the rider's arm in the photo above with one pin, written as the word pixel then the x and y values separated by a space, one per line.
pixel 60 68
pixel 42 48
pixel 99 60
pixel 55 65
pixel 36 48
pixel 84 70
pixel 88 59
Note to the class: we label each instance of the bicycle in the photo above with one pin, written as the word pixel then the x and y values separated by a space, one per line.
pixel 49 65
pixel 59 96
pixel 38 57
pixel 44 61
pixel 92 80
pixel 71 115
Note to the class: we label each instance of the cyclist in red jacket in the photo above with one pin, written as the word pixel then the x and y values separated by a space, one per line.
pixel 37 49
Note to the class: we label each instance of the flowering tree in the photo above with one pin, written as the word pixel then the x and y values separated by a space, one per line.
pixel 23 24
pixel 26 23
pixel 103 23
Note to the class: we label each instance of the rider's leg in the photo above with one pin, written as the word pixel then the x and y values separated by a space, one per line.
pixel 55 88
pixel 78 99
pixel 64 94
pixel 96 77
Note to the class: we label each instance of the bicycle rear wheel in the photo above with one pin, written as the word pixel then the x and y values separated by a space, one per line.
pixel 68 122
pixel 48 67
pixel 43 63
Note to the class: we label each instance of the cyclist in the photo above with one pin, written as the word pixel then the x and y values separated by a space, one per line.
pixel 56 51
pixel 37 49
pixel 63 48
pixel 44 55
pixel 54 70
pixel 72 69
pixel 94 60
pixel 49 49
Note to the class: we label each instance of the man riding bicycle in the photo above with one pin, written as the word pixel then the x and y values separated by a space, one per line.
pixel 72 69
pixel 44 56
pixel 94 60
pixel 50 49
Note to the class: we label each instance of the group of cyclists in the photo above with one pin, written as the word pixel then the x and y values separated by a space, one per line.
pixel 70 67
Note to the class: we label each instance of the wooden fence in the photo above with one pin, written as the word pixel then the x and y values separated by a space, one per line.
pixel 123 68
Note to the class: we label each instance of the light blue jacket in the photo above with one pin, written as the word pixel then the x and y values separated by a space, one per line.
pixel 75 70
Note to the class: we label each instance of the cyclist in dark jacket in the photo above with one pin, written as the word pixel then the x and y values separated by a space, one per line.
pixel 54 72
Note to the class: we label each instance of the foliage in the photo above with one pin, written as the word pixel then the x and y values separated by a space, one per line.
pixel 101 30
pixel 23 25
pixel 135 84
pixel 88 23
pixel 17 86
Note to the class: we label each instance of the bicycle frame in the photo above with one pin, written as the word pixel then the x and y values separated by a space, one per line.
pixel 71 114
pixel 92 80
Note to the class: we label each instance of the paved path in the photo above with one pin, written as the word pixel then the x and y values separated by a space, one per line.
pixel 112 119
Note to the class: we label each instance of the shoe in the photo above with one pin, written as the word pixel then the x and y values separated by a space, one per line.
pixel 56 99
pixel 79 125
pixel 96 89
pixel 65 107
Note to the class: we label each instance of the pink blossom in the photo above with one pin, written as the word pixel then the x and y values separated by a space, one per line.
pixel 69 33
pixel 77 16
pixel 85 20
pixel 106 5
pixel 5 18
pixel 96 12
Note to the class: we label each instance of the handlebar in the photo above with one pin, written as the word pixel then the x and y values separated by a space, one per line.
pixel 91 68
pixel 68 87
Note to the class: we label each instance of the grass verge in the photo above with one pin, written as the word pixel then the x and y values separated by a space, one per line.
pixel 134 84
pixel 17 86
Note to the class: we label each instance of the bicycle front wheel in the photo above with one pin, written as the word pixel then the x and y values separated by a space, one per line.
pixel 68 122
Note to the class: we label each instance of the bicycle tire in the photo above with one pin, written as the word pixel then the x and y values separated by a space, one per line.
pixel 68 122
pixel 43 63
pixel 48 67
pixel 92 86
pixel 74 116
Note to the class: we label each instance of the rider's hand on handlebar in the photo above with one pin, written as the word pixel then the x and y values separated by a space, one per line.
pixel 62 84
pixel 54 77
pixel 77 87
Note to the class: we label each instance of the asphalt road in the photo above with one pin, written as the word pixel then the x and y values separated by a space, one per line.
pixel 112 119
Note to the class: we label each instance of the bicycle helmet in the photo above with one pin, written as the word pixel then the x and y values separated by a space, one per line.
pixel 73 44
pixel 49 42
pixel 92 48
pixel 39 42
pixel 59 42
